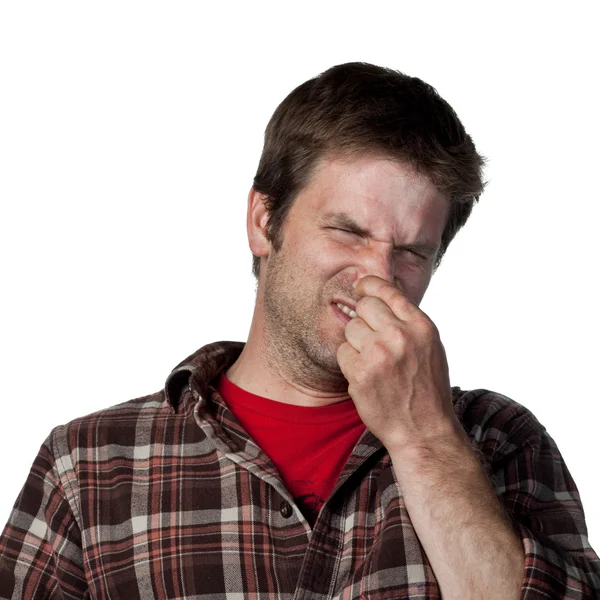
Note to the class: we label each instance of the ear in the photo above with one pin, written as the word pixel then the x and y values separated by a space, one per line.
pixel 256 222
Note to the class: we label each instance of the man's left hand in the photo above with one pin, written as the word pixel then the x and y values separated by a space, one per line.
pixel 396 369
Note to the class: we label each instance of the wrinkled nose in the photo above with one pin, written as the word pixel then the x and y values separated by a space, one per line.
pixel 377 258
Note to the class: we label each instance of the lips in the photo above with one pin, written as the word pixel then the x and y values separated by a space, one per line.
pixel 350 305
pixel 341 309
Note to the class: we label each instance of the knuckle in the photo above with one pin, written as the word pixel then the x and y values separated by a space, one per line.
pixel 428 328
pixel 382 350
pixel 360 376
pixel 364 302
pixel 397 304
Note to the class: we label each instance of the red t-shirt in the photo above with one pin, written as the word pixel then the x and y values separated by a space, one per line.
pixel 308 445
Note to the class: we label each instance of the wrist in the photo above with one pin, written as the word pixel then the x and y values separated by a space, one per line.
pixel 447 437
pixel 442 454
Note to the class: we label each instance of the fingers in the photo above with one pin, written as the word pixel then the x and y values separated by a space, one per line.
pixel 392 296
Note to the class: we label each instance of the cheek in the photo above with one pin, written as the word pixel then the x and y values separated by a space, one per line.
pixel 414 281
pixel 331 256
pixel 311 263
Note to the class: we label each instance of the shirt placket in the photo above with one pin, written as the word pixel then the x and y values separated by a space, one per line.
pixel 318 575
pixel 324 542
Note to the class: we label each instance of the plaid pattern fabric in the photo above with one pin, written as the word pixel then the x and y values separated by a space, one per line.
pixel 167 497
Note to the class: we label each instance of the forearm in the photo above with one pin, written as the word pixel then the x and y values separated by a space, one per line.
pixel 461 525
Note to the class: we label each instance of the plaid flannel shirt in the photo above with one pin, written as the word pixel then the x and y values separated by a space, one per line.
pixel 166 496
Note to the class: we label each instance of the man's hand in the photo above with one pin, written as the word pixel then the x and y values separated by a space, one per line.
pixel 397 376
pixel 396 368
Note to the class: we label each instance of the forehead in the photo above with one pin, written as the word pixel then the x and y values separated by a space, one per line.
pixel 386 196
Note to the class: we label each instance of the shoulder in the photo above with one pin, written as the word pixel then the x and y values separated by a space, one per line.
pixel 497 424
pixel 119 426
pixel 124 413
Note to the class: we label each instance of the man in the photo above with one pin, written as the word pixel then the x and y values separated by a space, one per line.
pixel 328 457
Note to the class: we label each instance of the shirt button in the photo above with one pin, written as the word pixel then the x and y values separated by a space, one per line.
pixel 286 510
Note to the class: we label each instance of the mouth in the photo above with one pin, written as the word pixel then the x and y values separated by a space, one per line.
pixel 343 311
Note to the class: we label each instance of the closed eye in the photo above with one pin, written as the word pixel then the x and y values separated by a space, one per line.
pixel 398 250
pixel 410 254
pixel 348 231
pixel 414 253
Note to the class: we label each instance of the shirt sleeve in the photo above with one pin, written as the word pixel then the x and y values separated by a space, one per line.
pixel 40 547
pixel 539 494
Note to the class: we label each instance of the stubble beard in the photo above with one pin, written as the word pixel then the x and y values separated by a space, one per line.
pixel 296 347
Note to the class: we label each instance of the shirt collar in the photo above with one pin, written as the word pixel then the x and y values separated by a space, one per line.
pixel 199 369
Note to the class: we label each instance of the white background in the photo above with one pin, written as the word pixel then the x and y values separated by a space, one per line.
pixel 129 136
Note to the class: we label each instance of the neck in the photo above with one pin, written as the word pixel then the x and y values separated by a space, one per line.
pixel 260 369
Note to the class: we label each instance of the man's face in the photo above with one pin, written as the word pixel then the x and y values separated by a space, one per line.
pixel 354 218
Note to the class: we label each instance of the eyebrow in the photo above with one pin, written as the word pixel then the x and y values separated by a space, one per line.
pixel 347 222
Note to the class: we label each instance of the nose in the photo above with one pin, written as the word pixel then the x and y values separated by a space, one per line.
pixel 377 258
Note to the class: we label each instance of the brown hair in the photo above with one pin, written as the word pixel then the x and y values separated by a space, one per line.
pixel 355 109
